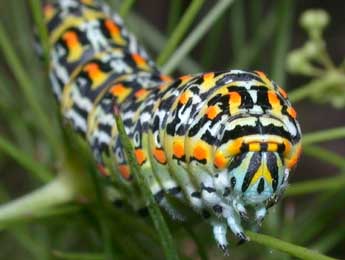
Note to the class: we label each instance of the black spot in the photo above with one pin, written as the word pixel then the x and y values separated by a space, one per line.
pixel 175 190
pixel 159 196
pixel 196 194
pixel 226 192
pixel 261 186
pixel 208 189
pixel 233 182
pixel 218 209
pixel 206 214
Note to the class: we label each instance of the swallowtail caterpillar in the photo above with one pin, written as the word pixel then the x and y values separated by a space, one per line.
pixel 222 143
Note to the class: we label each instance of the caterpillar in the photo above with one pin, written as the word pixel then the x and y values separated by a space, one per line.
pixel 222 143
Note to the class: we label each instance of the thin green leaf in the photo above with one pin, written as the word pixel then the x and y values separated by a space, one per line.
pixel 325 155
pixel 28 89
pixel 324 135
pixel 155 213
pixel 180 31
pixel 174 14
pixel 196 35
pixel 238 27
pixel 291 249
pixel 324 184
pixel 126 7
pixel 36 10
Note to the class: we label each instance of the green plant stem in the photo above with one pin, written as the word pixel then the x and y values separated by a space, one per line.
pixel 324 184
pixel 195 36
pixel 36 9
pixel 38 171
pixel 325 155
pixel 212 44
pixel 57 192
pixel 156 41
pixel 282 40
pixel 28 90
pixel 238 29
pixel 291 249
pixel 126 7
pixel 155 213
pixel 174 13
pixel 180 31
pixel 324 135
pixel 330 79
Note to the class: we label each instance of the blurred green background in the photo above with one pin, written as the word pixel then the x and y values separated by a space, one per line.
pixel 250 34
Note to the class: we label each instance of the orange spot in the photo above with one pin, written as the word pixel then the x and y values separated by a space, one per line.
pixel 166 78
pixel 295 157
pixel 235 147
pixel 235 98
pixel 48 11
pixel 118 89
pixel 111 26
pixel 264 79
pixel 274 101
pixel 272 98
pixel 200 152
pixel 141 92
pixel 212 112
pixel 93 70
pixel 292 112
pixel 272 147
pixel 185 78
pixel 115 31
pixel 208 76
pixel 71 39
pixel 159 155
pixel 208 80
pixel 140 156
pixel 102 170
pixel 254 147
pixel 219 160
pixel 282 92
pixel 124 171
pixel 140 61
pixel 234 102
pixel 178 149
pixel 184 98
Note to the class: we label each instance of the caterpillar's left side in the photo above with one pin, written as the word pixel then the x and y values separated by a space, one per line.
pixel 222 143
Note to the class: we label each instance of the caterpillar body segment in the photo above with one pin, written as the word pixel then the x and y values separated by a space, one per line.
pixel 222 143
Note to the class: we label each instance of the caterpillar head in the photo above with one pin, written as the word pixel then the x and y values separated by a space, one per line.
pixel 258 164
